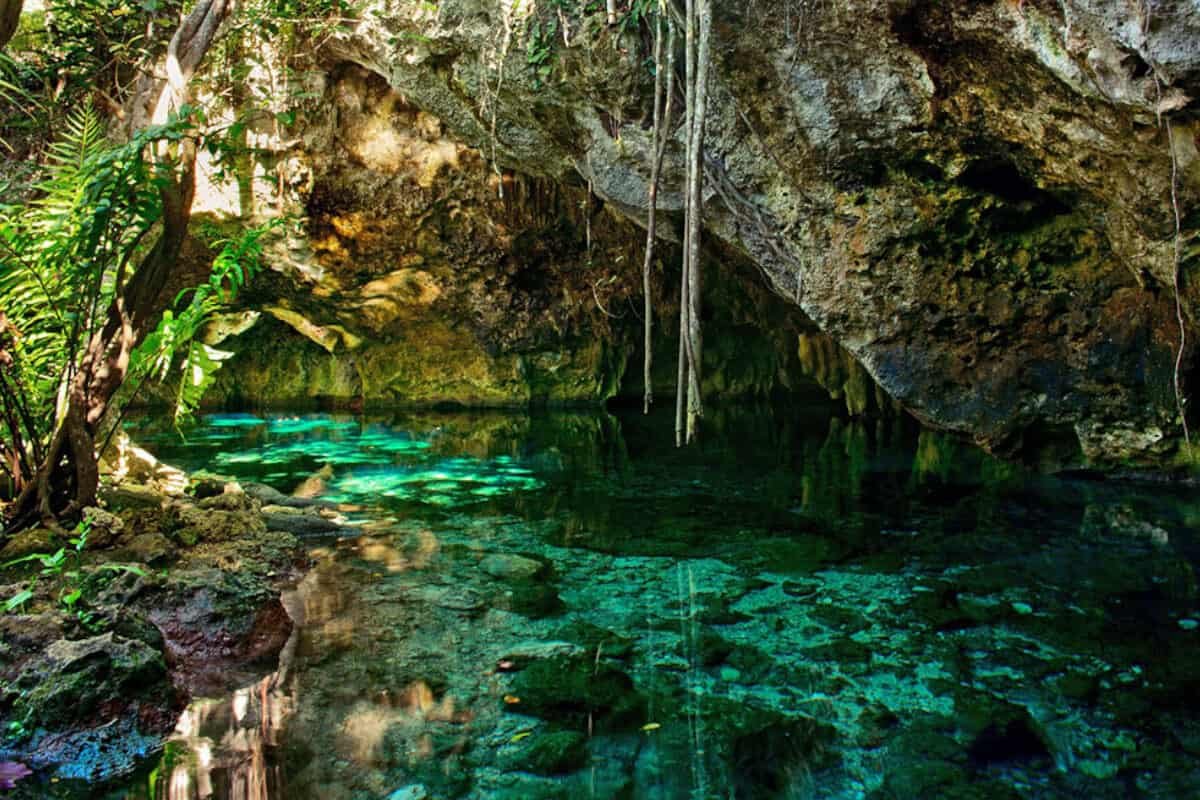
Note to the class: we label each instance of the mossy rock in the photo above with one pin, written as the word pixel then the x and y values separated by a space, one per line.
pixel 553 753
pixel 570 689
pixel 28 542
pixel 594 639
pixel 531 599
pixel 73 678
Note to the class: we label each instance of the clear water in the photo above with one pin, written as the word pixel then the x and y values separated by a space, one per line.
pixel 567 606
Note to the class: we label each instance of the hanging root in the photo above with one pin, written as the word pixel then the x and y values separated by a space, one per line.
pixel 659 135
pixel 699 27
pixel 1180 400
pixel 1164 122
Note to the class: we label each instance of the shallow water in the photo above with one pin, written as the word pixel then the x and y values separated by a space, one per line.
pixel 567 606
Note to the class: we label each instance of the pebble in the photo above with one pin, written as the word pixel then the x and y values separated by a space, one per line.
pixel 413 792
pixel 1189 624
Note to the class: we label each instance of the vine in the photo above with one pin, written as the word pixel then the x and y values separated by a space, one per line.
pixel 1164 121
pixel 659 136
pixel 698 29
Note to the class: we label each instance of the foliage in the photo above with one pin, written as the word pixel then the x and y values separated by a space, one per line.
pixel 539 49
pixel 177 332
pixel 19 90
pixel 639 11
pixel 64 259
pixel 72 594
pixel 103 42
pixel 73 50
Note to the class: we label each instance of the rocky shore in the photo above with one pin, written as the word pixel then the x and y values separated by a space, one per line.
pixel 169 592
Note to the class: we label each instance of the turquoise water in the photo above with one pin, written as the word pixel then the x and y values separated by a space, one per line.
pixel 566 605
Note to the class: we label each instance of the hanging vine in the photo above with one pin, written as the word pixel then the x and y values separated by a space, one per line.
pixel 659 135
pixel 1164 122
pixel 688 401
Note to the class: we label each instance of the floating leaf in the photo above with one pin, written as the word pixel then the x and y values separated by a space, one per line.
pixel 651 726
pixel 511 699
pixel 521 735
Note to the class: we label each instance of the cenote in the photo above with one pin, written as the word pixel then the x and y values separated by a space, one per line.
pixel 326 328
pixel 565 605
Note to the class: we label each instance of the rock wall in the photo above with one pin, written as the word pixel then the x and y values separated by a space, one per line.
pixel 976 200
pixel 419 275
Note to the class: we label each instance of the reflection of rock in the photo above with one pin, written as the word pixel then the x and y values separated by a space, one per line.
pixel 1101 522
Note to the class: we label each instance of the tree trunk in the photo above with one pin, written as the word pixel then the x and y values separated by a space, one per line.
pixel 70 468
pixel 10 16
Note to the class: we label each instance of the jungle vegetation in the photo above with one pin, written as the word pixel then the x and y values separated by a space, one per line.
pixel 102 125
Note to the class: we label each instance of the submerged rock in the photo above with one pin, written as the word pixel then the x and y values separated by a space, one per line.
pixel 550 753
pixel 1001 732
pixel 509 566
pixel 571 689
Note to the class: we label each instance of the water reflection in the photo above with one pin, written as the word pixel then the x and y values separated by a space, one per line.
pixel 801 606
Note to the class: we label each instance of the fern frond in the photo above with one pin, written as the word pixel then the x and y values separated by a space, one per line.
pixel 236 262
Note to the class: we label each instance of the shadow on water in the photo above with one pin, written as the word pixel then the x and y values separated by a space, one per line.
pixel 566 605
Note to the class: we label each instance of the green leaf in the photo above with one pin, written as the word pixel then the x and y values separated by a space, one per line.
pixel 71 598
pixel 132 569
pixel 17 600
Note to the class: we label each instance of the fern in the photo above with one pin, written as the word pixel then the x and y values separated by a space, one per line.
pixel 62 257
pixel 40 247
pixel 238 260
